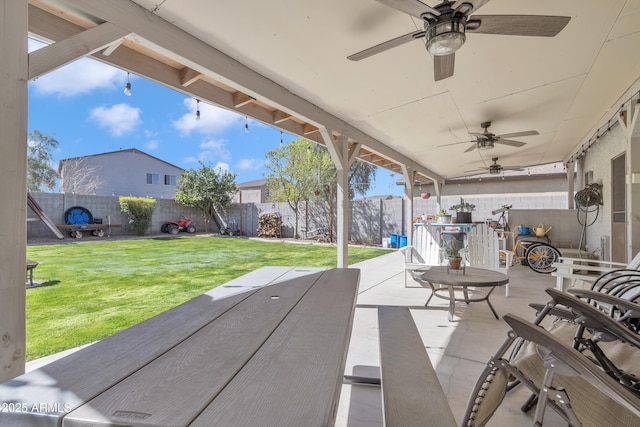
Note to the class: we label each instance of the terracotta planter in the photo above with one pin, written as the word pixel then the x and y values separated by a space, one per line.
pixel 454 263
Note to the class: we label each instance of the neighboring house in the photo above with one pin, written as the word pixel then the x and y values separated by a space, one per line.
pixel 119 173
pixel 252 192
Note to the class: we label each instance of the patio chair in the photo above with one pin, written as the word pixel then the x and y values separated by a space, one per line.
pixel 570 270
pixel 596 384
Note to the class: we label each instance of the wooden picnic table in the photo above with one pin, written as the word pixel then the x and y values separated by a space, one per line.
pixel 251 356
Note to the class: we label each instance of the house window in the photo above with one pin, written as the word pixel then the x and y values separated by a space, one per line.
pixel 152 178
pixel 170 180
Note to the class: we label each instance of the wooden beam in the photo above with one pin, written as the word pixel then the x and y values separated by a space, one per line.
pixel 308 129
pixel 188 76
pixel 280 116
pixel 241 99
pixel 14 70
pixel 112 47
pixel 65 51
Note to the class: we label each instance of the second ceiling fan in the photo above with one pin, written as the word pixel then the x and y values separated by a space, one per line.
pixel 487 140
pixel 446 25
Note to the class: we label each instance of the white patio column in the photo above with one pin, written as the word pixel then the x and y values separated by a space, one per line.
pixel 409 183
pixel 13 185
pixel 343 153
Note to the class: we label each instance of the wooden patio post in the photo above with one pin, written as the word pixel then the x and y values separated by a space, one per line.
pixel 13 185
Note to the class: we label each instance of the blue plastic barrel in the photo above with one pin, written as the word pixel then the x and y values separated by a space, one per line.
pixel 403 241
pixel 393 240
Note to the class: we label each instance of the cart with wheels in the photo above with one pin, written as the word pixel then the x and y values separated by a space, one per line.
pixel 79 222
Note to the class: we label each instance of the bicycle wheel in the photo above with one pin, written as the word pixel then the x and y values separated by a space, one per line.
pixel 541 257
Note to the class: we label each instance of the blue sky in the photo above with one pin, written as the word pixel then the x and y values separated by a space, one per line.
pixel 82 105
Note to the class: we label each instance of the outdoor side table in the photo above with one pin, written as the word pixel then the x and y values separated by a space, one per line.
pixel 482 280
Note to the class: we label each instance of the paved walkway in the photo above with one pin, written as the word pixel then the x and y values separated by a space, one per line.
pixel 459 350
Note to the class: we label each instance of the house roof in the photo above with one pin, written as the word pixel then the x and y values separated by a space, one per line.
pixel 252 184
pixel 110 153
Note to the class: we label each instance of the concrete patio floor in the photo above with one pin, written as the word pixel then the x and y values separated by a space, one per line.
pixel 458 350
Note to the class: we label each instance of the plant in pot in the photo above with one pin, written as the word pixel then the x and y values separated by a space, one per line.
pixel 452 251
pixel 463 212
pixel 443 217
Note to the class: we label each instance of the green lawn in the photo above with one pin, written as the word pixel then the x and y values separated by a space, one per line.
pixel 95 289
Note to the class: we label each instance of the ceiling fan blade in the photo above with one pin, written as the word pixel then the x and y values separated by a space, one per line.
pixel 519 134
pixel 473 147
pixel 443 66
pixel 412 7
pixel 456 143
pixel 517 25
pixel 510 142
pixel 477 4
pixel 478 135
pixel 512 168
pixel 386 45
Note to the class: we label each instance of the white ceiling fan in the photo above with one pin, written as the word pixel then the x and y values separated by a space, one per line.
pixel 446 25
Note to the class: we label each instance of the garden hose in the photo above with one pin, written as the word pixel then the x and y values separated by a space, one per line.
pixel 588 200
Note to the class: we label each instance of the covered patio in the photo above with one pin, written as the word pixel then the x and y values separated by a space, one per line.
pixel 286 65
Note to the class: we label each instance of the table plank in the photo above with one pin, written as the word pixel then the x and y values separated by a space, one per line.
pixel 411 392
pixel 67 383
pixel 295 378
pixel 174 388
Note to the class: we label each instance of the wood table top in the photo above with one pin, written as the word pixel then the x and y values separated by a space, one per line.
pixel 470 276
pixel 271 356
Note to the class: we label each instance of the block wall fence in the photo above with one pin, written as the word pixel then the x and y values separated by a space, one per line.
pixel 370 220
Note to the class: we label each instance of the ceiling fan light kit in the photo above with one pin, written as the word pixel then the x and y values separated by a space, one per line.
pixel 446 36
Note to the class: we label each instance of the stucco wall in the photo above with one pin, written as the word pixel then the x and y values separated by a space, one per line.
pixel 125 174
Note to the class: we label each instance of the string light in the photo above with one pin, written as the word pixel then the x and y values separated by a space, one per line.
pixel 281 142
pixel 246 124
pixel 197 109
pixel 127 87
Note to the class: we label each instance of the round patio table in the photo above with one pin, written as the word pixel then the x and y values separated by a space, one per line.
pixel 443 283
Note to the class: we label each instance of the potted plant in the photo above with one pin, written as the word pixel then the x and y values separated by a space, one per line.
pixel 463 211
pixel 453 254
pixel 443 217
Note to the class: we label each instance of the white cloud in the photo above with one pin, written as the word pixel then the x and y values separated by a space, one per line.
pixel 213 120
pixel 250 164
pixel 213 148
pixel 151 145
pixel 79 77
pixel 221 166
pixel 118 119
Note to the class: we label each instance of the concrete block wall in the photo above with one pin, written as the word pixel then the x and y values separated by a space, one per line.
pixel 370 220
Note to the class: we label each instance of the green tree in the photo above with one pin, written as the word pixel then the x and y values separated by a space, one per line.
pixel 40 172
pixel 206 188
pixel 296 173
pixel 140 212
pixel 299 172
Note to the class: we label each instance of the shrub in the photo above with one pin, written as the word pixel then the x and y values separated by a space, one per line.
pixel 139 210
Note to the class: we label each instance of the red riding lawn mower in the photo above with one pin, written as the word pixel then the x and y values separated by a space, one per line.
pixel 185 224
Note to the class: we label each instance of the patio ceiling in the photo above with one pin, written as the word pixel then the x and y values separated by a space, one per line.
pixel 285 63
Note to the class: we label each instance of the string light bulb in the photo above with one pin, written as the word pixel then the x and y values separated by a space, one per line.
pixel 246 124
pixel 127 87
pixel 281 141
pixel 197 109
